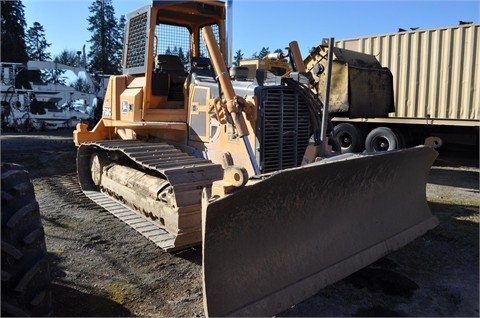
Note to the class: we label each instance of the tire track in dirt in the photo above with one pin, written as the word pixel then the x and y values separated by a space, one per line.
pixel 106 258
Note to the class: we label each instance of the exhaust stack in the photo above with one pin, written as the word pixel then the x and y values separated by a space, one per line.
pixel 229 33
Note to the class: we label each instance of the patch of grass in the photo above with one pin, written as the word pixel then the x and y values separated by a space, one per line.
pixel 47 228
pixel 68 223
pixel 119 292
pixel 37 187
pixel 57 251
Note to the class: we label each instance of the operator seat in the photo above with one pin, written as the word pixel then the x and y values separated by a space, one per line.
pixel 202 70
pixel 202 66
pixel 172 66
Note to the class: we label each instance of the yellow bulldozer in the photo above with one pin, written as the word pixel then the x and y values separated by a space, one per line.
pixel 186 155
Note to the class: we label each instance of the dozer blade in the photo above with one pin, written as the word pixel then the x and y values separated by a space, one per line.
pixel 277 242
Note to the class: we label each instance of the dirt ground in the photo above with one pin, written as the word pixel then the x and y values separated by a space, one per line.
pixel 101 267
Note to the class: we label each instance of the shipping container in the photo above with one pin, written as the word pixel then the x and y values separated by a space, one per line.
pixel 435 78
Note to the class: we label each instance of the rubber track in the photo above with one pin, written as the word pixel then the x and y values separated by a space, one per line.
pixel 186 174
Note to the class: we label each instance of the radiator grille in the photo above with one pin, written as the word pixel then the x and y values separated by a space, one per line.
pixel 137 41
pixel 286 129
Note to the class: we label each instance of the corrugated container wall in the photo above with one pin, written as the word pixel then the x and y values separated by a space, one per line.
pixel 435 71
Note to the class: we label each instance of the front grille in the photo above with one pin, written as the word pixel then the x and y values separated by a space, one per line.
pixel 137 41
pixel 285 129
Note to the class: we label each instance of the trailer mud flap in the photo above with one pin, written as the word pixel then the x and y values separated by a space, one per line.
pixel 279 241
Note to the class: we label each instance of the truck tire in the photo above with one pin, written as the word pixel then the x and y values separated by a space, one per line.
pixel 350 137
pixel 26 278
pixel 381 139
pixel 401 139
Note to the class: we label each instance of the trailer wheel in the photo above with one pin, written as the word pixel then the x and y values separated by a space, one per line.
pixel 350 137
pixel 381 139
pixel 25 269
pixel 401 139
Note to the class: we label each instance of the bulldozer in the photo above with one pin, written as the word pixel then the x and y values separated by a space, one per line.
pixel 188 154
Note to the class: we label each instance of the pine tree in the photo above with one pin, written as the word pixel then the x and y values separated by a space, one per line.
pixel 13 32
pixel 183 58
pixel 81 85
pixel 263 52
pixel 54 76
pixel 67 57
pixel 237 58
pixel 118 45
pixel 107 38
pixel 37 43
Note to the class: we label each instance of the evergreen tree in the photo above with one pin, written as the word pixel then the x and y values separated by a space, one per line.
pixel 81 85
pixel 179 52
pixel 36 43
pixel 13 32
pixel 122 22
pixel 263 52
pixel 54 76
pixel 118 45
pixel 106 41
pixel 67 57
pixel 183 58
pixel 237 58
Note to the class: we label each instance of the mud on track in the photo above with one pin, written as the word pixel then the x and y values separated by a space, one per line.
pixel 101 267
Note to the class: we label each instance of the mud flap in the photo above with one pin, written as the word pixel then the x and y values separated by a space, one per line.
pixel 279 241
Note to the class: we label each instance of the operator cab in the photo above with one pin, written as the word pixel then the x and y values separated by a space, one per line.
pixel 173 52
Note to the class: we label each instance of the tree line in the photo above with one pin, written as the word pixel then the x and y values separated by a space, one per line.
pixel 239 55
pixel 21 44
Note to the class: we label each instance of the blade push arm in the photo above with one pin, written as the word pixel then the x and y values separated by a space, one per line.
pixel 234 104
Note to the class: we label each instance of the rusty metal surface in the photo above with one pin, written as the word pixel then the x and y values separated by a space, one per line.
pixel 279 241
pixel 360 87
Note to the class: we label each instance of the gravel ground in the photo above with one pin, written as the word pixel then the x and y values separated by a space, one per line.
pixel 101 267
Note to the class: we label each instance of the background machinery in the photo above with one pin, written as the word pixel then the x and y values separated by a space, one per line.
pixel 188 156
pixel 435 82
pixel 36 96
